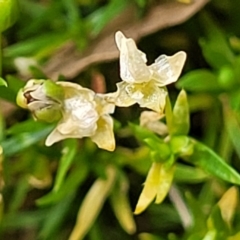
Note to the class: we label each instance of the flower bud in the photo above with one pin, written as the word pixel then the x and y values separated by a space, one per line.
pixel 43 98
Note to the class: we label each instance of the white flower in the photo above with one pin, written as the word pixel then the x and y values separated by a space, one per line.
pixel 85 114
pixel 79 111
pixel 144 84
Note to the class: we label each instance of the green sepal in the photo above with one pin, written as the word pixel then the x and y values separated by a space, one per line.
pixel 181 146
pixel 53 90
pixel 180 119
pixel 48 114
pixel 9 10
pixel 209 161
pixel 160 151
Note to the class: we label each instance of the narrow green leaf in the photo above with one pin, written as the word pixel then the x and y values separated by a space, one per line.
pixel 10 93
pixel 3 82
pixel 29 125
pixel 216 223
pixel 14 83
pixel 180 120
pixel 208 160
pixel 41 46
pixel 70 184
pixel 8 13
pixel 92 204
pixel 190 175
pixel 199 219
pixel 201 80
pixel 55 217
pixel 215 47
pixel 21 141
pixel 22 219
pixel 99 18
pixel 232 126
pixel 121 205
pixel 69 152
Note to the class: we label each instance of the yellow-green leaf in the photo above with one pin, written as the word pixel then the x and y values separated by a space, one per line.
pixel 92 204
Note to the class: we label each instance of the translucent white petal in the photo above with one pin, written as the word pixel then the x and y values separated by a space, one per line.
pixel 81 111
pixel 73 89
pixel 133 68
pixel 154 98
pixel 122 97
pixel 69 128
pixel 103 105
pixel 104 136
pixel 167 69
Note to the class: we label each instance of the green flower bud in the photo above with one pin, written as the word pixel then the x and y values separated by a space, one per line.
pixel 43 98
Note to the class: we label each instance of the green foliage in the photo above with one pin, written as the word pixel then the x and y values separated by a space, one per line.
pixel 186 158
pixel 8 13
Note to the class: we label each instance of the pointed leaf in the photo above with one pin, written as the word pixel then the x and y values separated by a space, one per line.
pixel 216 223
pixel 70 184
pixel 232 126
pixel 21 141
pixel 68 153
pixel 8 13
pixel 149 191
pixel 3 82
pixel 92 204
pixel 201 80
pixel 121 206
pixel 165 181
pixel 180 120
pixel 228 204
pixel 215 47
pixel 208 160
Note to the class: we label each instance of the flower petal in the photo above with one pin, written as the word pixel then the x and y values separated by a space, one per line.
pixel 153 97
pixel 122 97
pixel 167 69
pixel 166 174
pixel 150 120
pixel 73 89
pixel 104 137
pixel 69 129
pixel 104 104
pixel 133 68
pixel 149 191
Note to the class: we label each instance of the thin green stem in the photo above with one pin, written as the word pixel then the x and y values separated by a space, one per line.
pixel 168 113
pixel 0 54
pixel 225 146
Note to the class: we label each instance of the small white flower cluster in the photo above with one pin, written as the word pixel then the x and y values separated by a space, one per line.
pixel 83 113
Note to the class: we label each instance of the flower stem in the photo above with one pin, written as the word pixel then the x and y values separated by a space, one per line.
pixel 0 54
pixel 168 113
